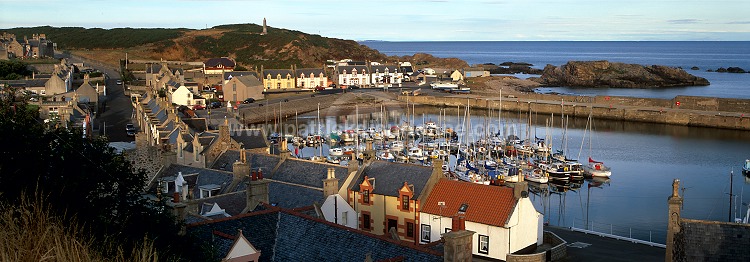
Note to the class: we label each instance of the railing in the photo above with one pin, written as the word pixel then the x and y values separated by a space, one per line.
pixel 618 232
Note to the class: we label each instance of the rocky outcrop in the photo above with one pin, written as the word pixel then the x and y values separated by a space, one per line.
pixel 616 75
pixel 515 68
pixel 730 70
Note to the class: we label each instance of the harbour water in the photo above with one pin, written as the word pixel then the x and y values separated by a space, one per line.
pixel 686 54
pixel 644 159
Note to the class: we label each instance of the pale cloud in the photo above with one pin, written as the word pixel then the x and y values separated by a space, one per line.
pixel 684 21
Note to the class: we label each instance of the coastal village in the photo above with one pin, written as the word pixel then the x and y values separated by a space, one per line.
pixel 413 191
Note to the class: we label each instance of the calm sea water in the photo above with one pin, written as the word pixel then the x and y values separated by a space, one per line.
pixel 705 55
pixel 644 158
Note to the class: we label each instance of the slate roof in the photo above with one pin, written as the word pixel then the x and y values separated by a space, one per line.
pixel 161 116
pixel 307 173
pixel 390 177
pixel 308 71
pixel 288 236
pixel 154 68
pixel 275 72
pixel 489 205
pixel 360 69
pixel 249 81
pixel 381 68
pixel 196 124
pixel 233 202
pixel 225 160
pixel 214 62
pixel 206 139
pixel 195 177
pixel 291 196
pixel 250 138
pixel 172 137
pixel 264 161
pixel 239 73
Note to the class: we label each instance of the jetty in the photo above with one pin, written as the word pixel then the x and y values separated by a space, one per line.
pixel 696 111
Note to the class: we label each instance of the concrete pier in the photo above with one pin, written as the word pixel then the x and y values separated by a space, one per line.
pixel 682 110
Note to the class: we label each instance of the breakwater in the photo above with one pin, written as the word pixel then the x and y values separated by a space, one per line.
pixel 681 110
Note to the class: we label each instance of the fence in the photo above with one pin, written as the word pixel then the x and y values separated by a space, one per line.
pixel 634 235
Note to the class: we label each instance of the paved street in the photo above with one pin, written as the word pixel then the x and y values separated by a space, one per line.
pixel 116 110
pixel 585 247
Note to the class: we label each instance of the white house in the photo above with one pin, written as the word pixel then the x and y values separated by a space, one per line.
pixel 184 97
pixel 504 219
pixel 310 78
pixel 336 210
pixel 383 75
pixel 356 75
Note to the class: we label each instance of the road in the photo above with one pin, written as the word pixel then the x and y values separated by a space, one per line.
pixel 116 109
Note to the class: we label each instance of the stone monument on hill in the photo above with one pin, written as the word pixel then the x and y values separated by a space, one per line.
pixel 264 27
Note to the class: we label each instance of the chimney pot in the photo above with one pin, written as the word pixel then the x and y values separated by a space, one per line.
pixel 260 174
pixel 176 197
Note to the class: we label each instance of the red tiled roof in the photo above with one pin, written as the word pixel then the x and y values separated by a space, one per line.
pixel 490 205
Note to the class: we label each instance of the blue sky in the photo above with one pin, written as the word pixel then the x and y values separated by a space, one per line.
pixel 406 20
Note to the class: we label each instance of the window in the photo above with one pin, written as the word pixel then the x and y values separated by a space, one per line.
pixel 344 217
pixel 366 221
pixel 268 85
pixel 426 233
pixel 179 150
pixel 278 85
pixel 405 202
pixel 234 87
pixel 366 196
pixel 409 229
pixel 484 244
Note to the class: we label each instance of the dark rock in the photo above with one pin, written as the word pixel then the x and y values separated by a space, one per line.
pixel 721 70
pixel 735 70
pixel 616 75
pixel 515 68
pixel 709 70
pixel 694 68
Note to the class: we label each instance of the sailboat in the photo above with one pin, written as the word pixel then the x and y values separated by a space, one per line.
pixel 746 168
pixel 594 168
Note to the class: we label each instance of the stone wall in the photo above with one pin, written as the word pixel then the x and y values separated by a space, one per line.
pixel 559 249
pixel 728 241
pixel 538 257
pixel 627 109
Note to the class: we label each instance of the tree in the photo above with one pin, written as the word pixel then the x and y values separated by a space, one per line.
pixel 81 178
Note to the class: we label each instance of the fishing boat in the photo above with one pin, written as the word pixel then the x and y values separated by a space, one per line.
pixel 335 151
pixel 415 153
pixel 536 175
pixel 387 156
pixel 397 146
pixel 461 90
pixel 746 168
pixel 443 86
pixel 596 169
pixel 333 160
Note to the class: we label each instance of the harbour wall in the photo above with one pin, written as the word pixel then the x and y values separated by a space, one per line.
pixel 690 111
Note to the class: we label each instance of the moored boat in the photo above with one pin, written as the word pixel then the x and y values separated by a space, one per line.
pixel 596 169
pixel 746 168
pixel 536 175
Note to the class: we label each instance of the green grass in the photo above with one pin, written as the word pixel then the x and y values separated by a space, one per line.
pixel 98 38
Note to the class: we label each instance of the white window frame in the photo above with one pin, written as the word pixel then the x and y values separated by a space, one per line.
pixel 484 241
pixel 426 231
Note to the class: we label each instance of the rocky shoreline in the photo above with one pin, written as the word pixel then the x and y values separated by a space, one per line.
pixel 616 75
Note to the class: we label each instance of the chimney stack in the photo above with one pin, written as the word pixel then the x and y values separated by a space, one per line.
pixel 257 191
pixel 240 168
pixel 521 189
pixel 331 183
pixel 458 246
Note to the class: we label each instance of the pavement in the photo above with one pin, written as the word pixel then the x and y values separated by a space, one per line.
pixel 586 247
pixel 116 110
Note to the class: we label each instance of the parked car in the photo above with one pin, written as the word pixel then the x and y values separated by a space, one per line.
pixel 249 101
pixel 130 133
pixel 353 87
pixel 215 105
pixel 199 107
pixel 129 127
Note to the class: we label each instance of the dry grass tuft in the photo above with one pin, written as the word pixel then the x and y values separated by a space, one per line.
pixel 29 232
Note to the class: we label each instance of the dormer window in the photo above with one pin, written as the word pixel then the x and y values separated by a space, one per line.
pixel 278 77
pixel 405 202
pixel 209 190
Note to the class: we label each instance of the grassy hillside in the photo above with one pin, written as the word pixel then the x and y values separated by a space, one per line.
pixel 280 48
pixel 98 38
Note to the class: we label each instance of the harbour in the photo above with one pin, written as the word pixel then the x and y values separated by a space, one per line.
pixel 643 157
